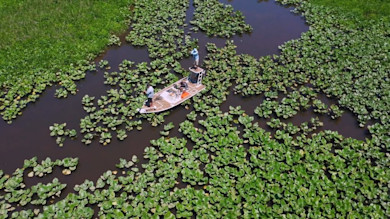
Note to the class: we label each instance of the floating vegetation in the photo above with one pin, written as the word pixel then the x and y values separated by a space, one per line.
pixel 14 191
pixel 304 128
pixel 234 168
pixel 335 111
pixel 103 64
pixel 223 178
pixel 127 164
pixel 59 131
pixel 46 166
pixel 160 27
pixel 114 40
pixel 217 19
pixel 167 128
pixel 346 58
pixel 294 102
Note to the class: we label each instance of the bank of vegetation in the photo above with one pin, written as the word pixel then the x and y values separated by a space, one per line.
pixel 49 42
pixel 362 10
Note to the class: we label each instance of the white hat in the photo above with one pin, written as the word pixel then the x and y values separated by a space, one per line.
pixel 194 51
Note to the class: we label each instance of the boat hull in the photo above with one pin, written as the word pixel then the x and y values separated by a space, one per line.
pixel 170 97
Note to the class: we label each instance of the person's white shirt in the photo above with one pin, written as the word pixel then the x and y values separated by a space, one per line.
pixel 150 92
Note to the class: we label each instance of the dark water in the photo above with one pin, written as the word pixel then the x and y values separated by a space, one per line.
pixel 28 136
pixel 273 24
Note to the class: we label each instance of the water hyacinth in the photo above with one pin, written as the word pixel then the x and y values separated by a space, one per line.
pixel 223 176
pixel 217 19
pixel 59 131
pixel 224 165
pixel 14 189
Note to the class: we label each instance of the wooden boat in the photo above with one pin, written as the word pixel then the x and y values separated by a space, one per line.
pixel 170 97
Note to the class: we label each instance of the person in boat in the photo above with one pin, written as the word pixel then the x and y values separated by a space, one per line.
pixel 183 86
pixel 149 93
pixel 195 54
pixel 175 91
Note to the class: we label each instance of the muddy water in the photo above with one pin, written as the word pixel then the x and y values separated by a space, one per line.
pixel 28 136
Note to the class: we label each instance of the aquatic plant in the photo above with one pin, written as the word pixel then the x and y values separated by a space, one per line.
pixel 335 111
pixel 14 191
pixel 114 40
pixel 304 128
pixel 127 164
pixel 121 134
pixel 59 131
pixel 167 128
pixel 103 64
pixel 234 168
pixel 295 101
pixel 225 179
pixel 342 62
pixel 117 111
pixel 319 106
pixel 160 27
pixel 217 19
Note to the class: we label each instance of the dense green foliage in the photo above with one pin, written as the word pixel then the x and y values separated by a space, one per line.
pixel 232 173
pixel 372 9
pixel 217 19
pixel 44 42
pixel 350 63
pixel 324 175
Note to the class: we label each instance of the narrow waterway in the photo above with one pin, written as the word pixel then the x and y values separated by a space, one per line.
pixel 28 135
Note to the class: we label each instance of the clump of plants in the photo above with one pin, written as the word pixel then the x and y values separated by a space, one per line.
pixel 103 64
pixel 217 19
pixel 114 40
pixel 167 128
pixel 123 164
pixel 304 128
pixel 295 101
pixel 160 27
pixel 335 111
pixel 27 90
pixel 59 131
pixel 15 193
pixel 47 165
